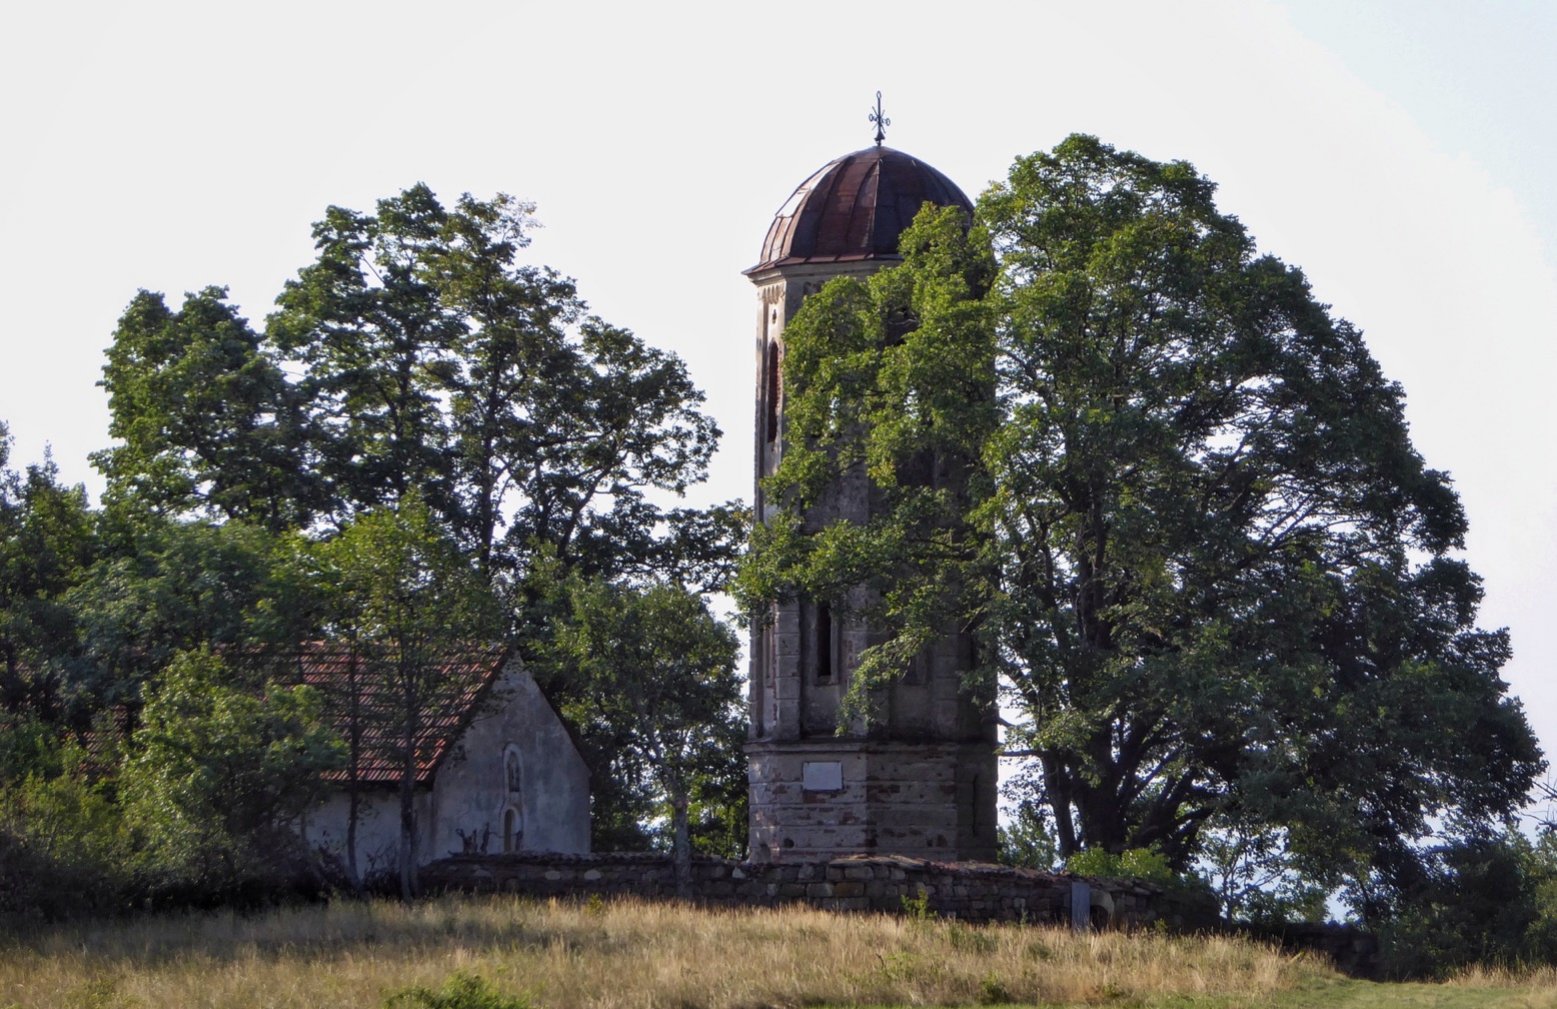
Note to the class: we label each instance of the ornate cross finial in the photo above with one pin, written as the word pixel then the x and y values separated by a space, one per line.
pixel 881 121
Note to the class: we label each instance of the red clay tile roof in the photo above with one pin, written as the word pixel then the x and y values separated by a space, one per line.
pixel 856 208
pixel 362 684
pixel 101 743
pixel 462 677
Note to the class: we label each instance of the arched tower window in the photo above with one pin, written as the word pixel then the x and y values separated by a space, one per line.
pixel 825 644
pixel 774 388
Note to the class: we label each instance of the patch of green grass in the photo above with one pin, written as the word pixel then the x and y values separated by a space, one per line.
pixel 1340 993
pixel 1346 994
pixel 461 991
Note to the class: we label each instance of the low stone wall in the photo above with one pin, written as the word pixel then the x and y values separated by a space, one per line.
pixel 1353 950
pixel 970 891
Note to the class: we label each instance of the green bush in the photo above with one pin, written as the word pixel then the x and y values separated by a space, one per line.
pixel 1133 863
pixel 63 849
pixel 216 776
pixel 461 991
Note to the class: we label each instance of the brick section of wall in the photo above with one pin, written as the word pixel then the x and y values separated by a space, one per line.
pixel 970 891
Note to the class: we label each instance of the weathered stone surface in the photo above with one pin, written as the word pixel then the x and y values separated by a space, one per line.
pixel 970 891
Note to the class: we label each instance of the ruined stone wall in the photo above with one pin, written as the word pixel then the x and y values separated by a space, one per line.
pixel 969 891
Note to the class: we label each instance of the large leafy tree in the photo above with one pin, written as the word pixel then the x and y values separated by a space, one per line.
pixel 206 421
pixel 419 354
pixel 407 600
pixel 434 360
pixel 655 672
pixel 47 542
pixel 1215 575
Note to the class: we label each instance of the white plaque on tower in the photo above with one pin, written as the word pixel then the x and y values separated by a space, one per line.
pixel 822 776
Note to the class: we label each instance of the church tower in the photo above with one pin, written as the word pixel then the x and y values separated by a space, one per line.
pixel 920 779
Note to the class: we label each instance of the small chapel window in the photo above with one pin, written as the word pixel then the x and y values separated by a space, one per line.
pixel 513 801
pixel 512 775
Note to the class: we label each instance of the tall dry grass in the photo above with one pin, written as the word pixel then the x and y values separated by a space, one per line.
pixel 1542 979
pixel 604 956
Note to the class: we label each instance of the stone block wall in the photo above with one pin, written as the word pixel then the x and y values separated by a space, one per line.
pixel 928 800
pixel 969 891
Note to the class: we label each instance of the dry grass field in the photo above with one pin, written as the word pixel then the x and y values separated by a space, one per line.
pixel 608 955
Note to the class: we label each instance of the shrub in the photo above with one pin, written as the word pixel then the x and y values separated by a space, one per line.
pixel 1133 863
pixel 1488 900
pixel 62 846
pixel 461 991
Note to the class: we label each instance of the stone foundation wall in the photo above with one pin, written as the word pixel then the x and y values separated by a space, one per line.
pixel 970 891
pixel 932 801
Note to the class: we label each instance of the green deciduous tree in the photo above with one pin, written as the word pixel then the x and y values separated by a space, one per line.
pixel 1490 898
pixel 217 774
pixel 206 420
pixel 167 586
pixel 47 542
pixel 433 360
pixel 656 673
pixel 407 599
pixel 1191 529
pixel 1229 576
pixel 417 353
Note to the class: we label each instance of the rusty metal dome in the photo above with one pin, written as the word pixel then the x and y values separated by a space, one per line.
pixel 855 208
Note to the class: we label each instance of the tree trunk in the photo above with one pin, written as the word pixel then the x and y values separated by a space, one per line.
pixel 353 811
pixel 1057 785
pixel 411 712
pixel 682 845
pixel 408 833
pixel 353 788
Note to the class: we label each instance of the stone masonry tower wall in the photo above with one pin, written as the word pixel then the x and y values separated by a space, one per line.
pixel 920 781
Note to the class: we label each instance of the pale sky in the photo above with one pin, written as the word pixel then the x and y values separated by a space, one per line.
pixel 1400 152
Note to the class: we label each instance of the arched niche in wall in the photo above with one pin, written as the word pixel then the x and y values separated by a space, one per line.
pixel 513 799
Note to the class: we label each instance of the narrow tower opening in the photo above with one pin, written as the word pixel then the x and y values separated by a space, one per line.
pixel 773 390
pixel 824 644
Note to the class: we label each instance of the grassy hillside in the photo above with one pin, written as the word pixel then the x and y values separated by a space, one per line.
pixel 559 956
